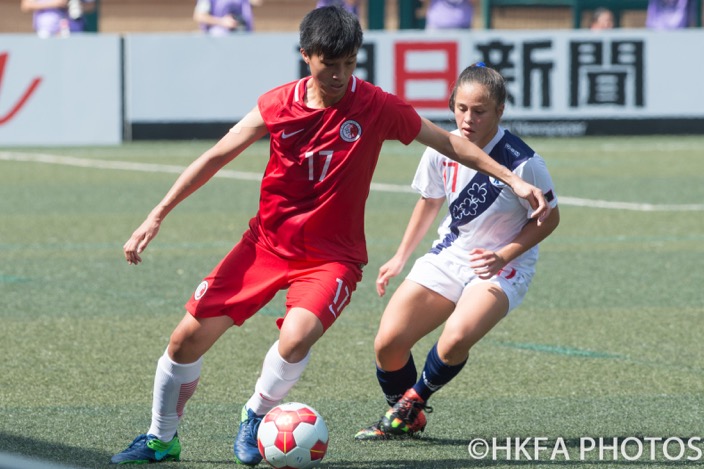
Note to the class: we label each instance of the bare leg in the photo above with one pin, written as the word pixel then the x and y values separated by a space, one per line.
pixel 412 313
pixel 480 308
pixel 178 371
pixel 286 360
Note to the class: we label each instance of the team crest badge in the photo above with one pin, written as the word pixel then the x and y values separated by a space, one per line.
pixel 200 291
pixel 350 131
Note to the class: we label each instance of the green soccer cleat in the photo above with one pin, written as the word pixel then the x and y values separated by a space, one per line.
pixel 407 416
pixel 147 449
pixel 374 432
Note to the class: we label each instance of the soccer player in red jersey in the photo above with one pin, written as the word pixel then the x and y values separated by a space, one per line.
pixel 326 133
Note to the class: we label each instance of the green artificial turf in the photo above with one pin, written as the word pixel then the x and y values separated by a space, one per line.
pixel 606 345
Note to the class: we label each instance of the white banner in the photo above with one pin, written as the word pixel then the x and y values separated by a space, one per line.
pixel 567 82
pixel 60 91
pixel 192 77
pixel 567 75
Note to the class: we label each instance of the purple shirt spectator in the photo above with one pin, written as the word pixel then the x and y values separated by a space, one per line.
pixel 449 14
pixel 48 22
pixel 351 6
pixel 670 14
pixel 239 10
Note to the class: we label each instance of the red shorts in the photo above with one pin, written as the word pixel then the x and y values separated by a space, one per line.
pixel 250 276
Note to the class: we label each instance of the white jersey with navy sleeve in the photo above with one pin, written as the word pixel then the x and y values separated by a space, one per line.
pixel 483 211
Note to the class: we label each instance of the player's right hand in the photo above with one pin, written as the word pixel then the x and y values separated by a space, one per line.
pixel 536 198
pixel 392 268
pixel 139 240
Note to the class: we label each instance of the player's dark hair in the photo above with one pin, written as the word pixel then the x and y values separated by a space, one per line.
pixel 331 32
pixel 482 75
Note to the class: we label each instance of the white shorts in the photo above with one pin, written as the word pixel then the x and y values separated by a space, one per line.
pixel 443 274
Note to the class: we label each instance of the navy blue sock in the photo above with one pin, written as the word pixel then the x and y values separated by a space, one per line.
pixel 395 383
pixel 435 374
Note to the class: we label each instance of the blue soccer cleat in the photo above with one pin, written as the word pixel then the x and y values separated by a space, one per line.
pixel 245 447
pixel 148 449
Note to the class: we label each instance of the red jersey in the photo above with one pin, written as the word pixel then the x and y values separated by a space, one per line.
pixel 316 183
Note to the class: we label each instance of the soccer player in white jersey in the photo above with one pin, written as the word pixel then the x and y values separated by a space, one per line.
pixel 326 132
pixel 477 270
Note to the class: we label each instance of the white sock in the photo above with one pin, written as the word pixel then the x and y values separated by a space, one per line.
pixel 277 378
pixel 174 384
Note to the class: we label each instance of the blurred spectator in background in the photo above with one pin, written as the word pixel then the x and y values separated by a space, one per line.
pixel 350 5
pixel 670 14
pixel 603 18
pixel 60 18
pixel 223 17
pixel 449 14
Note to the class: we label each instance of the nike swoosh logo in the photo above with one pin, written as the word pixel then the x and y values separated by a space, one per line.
pixel 285 135
pixel 159 455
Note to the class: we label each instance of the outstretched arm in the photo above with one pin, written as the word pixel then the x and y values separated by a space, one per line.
pixel 422 218
pixel 467 153
pixel 246 132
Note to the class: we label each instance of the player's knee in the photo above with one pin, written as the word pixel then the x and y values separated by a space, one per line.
pixel 293 349
pixel 454 349
pixel 181 348
pixel 391 352
pixel 176 350
pixel 299 332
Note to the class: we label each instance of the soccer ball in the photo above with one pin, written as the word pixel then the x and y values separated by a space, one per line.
pixel 293 436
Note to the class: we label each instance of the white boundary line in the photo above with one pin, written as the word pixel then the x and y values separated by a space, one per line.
pixel 249 176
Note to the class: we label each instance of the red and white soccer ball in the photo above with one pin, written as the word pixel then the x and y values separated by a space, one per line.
pixel 293 436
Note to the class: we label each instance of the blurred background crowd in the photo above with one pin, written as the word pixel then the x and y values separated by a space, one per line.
pixel 51 18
